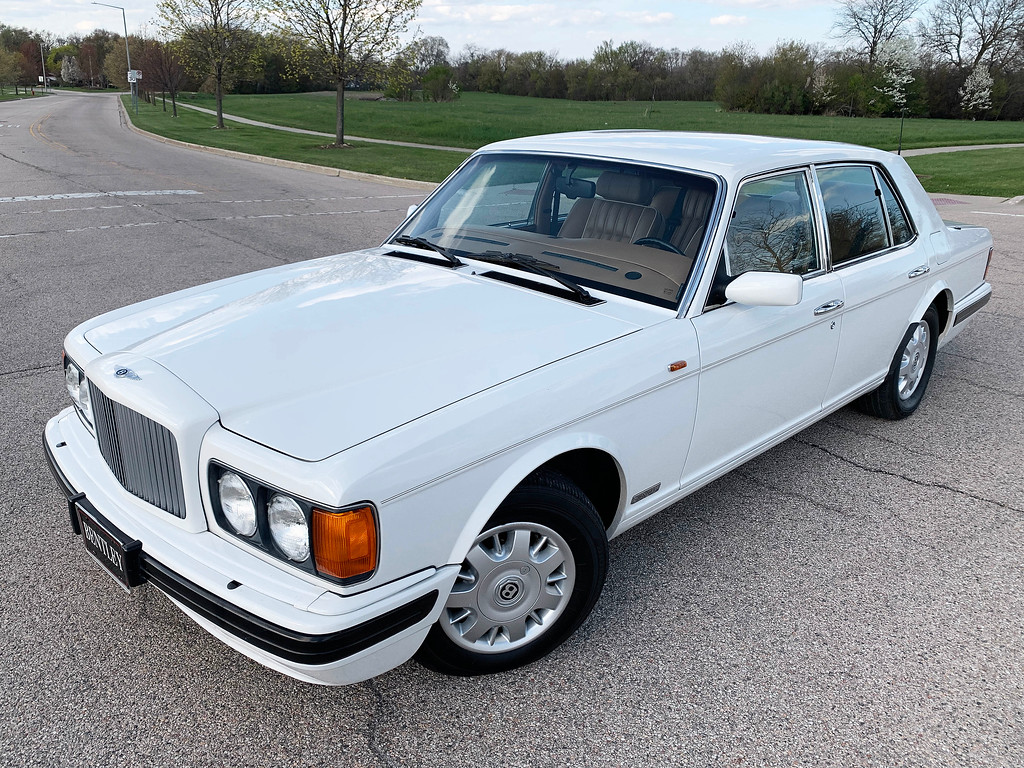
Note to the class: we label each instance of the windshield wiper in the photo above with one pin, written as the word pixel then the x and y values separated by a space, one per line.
pixel 530 264
pixel 422 242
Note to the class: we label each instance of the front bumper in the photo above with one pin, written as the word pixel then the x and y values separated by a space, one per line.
pixel 311 635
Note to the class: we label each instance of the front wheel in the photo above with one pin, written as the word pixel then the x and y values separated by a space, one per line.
pixel 899 395
pixel 529 580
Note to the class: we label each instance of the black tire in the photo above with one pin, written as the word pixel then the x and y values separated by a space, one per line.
pixel 900 394
pixel 510 589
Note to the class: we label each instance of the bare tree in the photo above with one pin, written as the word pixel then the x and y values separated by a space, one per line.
pixel 215 37
pixel 350 37
pixel 164 68
pixel 870 24
pixel 431 51
pixel 968 32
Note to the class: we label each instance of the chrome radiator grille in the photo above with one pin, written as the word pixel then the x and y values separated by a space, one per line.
pixel 142 454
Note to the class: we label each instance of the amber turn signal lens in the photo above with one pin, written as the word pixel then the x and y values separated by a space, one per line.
pixel 345 543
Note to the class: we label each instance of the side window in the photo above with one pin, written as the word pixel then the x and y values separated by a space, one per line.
pixel 772 229
pixel 853 211
pixel 901 229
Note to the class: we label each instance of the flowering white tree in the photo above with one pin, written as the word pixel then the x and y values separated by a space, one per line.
pixel 896 61
pixel 70 72
pixel 976 92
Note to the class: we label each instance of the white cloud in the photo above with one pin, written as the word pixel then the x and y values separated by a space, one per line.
pixel 493 14
pixel 645 17
pixel 728 21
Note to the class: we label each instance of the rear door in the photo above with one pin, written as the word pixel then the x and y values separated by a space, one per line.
pixel 874 250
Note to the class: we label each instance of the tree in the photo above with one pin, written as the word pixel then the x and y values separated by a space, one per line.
pixel 31 63
pixel 976 92
pixel 968 32
pixel 10 69
pixel 215 37
pixel 164 69
pixel 431 51
pixel 352 38
pixel 896 61
pixel 70 71
pixel 870 24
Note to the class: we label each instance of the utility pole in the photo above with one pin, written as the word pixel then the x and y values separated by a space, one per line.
pixel 42 61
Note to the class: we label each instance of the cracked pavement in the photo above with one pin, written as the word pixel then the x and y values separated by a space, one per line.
pixel 853 597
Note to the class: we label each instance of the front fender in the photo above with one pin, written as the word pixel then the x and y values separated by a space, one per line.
pixel 519 469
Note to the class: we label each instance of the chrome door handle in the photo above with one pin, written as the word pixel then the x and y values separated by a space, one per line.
pixel 924 269
pixel 830 306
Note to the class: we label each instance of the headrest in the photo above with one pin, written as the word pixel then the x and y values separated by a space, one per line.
pixel 625 188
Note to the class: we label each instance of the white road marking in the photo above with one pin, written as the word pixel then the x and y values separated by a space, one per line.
pixel 321 199
pixel 995 213
pixel 82 195
pixel 190 221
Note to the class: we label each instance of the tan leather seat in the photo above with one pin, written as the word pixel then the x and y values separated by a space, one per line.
pixel 621 213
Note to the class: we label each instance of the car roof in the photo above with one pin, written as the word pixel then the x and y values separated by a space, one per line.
pixel 731 156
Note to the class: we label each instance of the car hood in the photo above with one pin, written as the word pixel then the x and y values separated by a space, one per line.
pixel 317 358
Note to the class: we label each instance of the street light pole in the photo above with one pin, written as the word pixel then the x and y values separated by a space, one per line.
pixel 127 54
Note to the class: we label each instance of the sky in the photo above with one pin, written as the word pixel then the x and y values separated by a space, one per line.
pixel 567 28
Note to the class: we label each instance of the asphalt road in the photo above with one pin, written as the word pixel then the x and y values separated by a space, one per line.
pixel 854 597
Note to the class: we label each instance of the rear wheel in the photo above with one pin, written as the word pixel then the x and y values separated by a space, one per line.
pixel 529 580
pixel 904 386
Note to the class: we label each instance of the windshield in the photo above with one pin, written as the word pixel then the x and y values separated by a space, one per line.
pixel 621 228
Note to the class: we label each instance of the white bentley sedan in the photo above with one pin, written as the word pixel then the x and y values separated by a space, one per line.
pixel 425 447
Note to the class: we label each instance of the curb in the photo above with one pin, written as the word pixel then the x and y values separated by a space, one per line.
pixel 426 186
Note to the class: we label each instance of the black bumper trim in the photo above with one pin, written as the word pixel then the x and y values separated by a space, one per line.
pixel 969 310
pixel 284 643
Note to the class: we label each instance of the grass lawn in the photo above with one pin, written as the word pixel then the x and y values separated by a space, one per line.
pixel 994 172
pixel 198 128
pixel 8 95
pixel 476 119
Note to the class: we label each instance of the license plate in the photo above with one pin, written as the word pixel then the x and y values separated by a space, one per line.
pixel 118 554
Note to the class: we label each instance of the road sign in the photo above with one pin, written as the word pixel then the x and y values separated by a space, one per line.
pixel 134 75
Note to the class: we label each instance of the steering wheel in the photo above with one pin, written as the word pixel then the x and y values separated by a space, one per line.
pixel 656 242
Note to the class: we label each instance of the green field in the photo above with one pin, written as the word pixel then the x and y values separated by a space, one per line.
pixel 198 128
pixel 476 119
pixel 992 172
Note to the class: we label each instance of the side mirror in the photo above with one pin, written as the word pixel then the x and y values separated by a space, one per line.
pixel 410 209
pixel 766 289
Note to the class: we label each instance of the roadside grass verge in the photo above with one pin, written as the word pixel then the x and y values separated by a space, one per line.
pixel 991 172
pixel 476 119
pixel 11 97
pixel 198 128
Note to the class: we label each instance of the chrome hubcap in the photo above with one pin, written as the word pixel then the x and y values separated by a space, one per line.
pixel 514 584
pixel 915 358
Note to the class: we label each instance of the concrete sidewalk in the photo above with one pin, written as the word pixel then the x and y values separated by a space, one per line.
pixel 939 150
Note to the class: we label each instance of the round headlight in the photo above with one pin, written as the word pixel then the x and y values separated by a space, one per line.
pixel 288 527
pixel 237 503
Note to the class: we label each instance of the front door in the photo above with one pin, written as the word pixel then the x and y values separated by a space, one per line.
pixel 764 370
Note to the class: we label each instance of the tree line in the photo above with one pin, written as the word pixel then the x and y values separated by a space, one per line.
pixel 951 59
